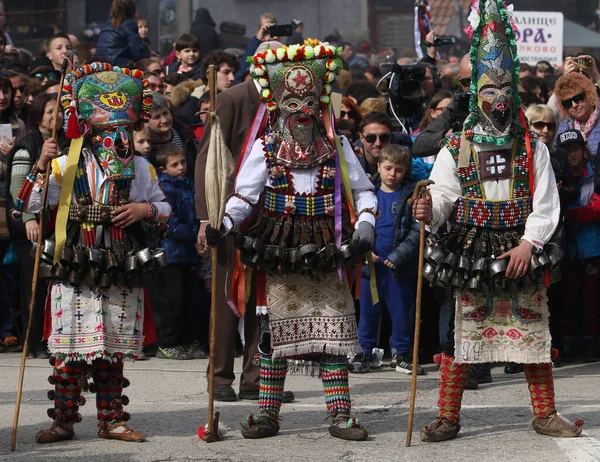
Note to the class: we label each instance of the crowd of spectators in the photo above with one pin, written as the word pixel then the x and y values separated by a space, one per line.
pixel 393 133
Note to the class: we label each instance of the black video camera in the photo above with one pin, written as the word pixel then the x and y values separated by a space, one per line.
pixel 405 91
pixel 406 81
pixel 440 41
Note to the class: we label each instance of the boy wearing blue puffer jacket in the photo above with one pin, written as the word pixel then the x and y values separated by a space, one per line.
pixel 396 260
pixel 178 292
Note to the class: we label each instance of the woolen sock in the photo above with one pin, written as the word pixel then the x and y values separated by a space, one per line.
pixel 272 380
pixel 452 385
pixel 541 388
pixel 334 374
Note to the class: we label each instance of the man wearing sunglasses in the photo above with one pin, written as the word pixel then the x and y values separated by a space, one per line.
pixel 577 99
pixel 375 132
pixel 428 142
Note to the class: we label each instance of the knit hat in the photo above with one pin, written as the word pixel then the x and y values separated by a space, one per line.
pixel 41 64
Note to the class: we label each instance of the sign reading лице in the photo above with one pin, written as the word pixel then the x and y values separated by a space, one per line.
pixel 539 36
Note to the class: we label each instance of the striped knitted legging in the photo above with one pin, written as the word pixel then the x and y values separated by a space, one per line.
pixel 334 373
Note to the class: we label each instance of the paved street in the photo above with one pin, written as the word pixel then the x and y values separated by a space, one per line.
pixel 169 401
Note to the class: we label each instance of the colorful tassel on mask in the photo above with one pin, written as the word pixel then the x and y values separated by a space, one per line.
pixel 73 123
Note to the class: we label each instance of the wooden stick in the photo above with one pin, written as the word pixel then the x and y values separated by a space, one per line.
pixel 36 267
pixel 211 365
pixel 415 358
pixel 419 189
pixel 212 433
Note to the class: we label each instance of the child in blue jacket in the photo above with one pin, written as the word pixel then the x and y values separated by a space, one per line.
pixel 178 281
pixel 396 259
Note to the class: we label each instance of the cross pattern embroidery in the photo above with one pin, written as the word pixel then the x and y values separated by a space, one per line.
pixel 495 165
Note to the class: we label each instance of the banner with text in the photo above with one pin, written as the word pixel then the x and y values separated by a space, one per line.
pixel 539 36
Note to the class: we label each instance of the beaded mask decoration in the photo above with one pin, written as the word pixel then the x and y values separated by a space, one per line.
pixel 295 81
pixel 495 74
pixel 107 102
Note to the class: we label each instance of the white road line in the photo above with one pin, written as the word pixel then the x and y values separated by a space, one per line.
pixel 583 449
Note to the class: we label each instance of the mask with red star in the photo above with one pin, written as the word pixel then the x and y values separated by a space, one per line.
pixel 295 81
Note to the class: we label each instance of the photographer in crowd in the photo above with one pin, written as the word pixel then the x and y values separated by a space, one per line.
pixel 450 120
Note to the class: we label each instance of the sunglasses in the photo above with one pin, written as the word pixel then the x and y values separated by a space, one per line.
pixel 465 82
pixel 540 124
pixel 568 103
pixel 52 76
pixel 156 86
pixel 20 88
pixel 352 114
pixel 372 137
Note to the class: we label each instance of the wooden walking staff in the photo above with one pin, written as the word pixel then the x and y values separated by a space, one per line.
pixel 36 267
pixel 219 168
pixel 420 190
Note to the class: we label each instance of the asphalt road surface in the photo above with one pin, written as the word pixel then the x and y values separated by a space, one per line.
pixel 169 402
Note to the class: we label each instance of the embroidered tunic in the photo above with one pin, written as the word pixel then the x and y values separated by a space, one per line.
pixel 91 323
pixel 308 314
pixel 507 326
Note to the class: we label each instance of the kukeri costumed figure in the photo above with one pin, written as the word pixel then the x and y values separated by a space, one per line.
pixel 97 256
pixel 308 187
pixel 497 183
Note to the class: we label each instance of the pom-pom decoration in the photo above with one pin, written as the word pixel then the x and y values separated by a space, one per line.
pixel 311 49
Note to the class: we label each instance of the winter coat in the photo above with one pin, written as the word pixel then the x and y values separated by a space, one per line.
pixel 183 224
pixel 203 28
pixel 121 46
pixel 584 219
pixel 194 73
pixel 406 237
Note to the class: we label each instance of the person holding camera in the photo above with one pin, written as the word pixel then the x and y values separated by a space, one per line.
pixel 449 121
pixel 263 34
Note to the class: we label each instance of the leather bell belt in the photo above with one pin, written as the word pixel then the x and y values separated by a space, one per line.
pixel 93 213
pixel 303 259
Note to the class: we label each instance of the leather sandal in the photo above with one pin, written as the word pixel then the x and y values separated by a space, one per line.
pixel 120 431
pixel 261 426
pixel 554 425
pixel 52 434
pixel 441 429
pixel 347 428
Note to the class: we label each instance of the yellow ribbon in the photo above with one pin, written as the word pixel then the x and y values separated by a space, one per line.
pixel 66 192
pixel 372 279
